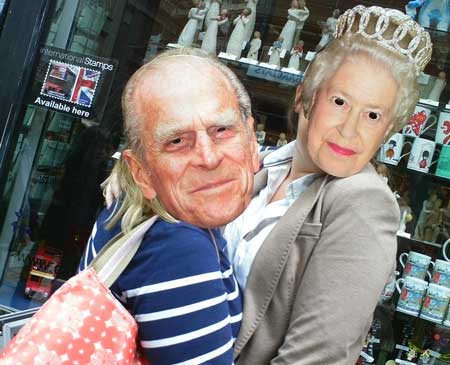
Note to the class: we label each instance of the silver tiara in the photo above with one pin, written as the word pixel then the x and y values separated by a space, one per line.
pixel 419 48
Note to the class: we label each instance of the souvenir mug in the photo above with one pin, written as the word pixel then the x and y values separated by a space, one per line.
pixel 420 118
pixel 443 129
pixel 391 151
pixel 416 264
pixel 441 273
pixel 421 155
pixel 389 288
pixel 435 303
pixel 443 166
pixel 411 295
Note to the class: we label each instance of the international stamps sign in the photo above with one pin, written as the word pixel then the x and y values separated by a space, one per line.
pixel 72 83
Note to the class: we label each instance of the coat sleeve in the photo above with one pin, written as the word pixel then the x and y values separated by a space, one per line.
pixel 352 260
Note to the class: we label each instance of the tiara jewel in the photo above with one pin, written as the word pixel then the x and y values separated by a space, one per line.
pixel 357 20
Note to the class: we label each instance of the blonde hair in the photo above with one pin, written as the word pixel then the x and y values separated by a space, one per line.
pixel 350 47
pixel 133 207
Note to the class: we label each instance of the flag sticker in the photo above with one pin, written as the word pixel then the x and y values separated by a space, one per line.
pixel 70 83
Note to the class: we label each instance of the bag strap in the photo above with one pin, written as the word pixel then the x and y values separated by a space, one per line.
pixel 118 252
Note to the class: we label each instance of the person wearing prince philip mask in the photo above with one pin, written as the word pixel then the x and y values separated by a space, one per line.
pixel 191 159
pixel 316 245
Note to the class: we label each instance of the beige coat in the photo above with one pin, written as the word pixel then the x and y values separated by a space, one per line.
pixel 317 278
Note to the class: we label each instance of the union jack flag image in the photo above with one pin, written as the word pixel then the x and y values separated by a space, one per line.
pixel 85 85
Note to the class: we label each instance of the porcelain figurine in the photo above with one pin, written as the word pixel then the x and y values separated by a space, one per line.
pixel 276 50
pixel 213 12
pixel 209 43
pixel 304 15
pixel 328 30
pixel 289 29
pixel 196 15
pixel 255 45
pixel 439 86
pixel 251 4
pixel 236 40
pixel 432 14
pixel 296 55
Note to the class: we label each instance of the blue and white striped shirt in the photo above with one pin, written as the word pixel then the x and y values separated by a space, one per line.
pixel 181 290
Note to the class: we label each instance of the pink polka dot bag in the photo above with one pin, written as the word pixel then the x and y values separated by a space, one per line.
pixel 83 323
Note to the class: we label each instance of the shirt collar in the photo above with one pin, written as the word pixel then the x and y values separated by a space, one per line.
pixel 280 156
pixel 283 156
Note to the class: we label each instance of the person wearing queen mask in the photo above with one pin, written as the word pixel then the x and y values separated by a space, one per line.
pixel 317 243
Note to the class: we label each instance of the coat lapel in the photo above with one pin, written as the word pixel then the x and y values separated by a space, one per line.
pixel 271 259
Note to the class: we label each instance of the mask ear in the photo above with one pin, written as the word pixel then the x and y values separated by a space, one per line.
pixel 298 98
pixel 254 147
pixel 141 174
pixel 388 130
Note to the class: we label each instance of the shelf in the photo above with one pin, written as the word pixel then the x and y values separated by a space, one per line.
pixel 413 240
pixel 404 169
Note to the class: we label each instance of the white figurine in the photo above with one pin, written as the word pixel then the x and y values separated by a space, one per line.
pixel 209 43
pixel 196 15
pixel 304 14
pixel 251 4
pixel 276 50
pixel 328 30
pixel 255 45
pixel 282 140
pixel 439 86
pixel 213 12
pixel 236 40
pixel 296 55
pixel 289 29
pixel 422 230
pixel 260 134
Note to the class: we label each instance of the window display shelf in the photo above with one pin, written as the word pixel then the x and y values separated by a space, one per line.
pixel 419 242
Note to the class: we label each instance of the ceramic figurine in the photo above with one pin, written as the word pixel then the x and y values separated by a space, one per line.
pixel 260 134
pixel 251 4
pixel 304 14
pixel 209 43
pixel 276 50
pixel 213 12
pixel 255 45
pixel 432 14
pixel 236 40
pixel 196 15
pixel 427 217
pixel 439 86
pixel 282 140
pixel 289 29
pixel 406 215
pixel 328 30
pixel 296 55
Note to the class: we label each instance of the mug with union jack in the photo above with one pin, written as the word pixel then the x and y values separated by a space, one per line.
pixel 420 122
pixel 443 129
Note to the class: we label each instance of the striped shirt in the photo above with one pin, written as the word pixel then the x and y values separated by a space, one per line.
pixel 181 290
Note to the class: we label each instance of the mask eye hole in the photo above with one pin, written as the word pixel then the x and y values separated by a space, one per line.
pixel 339 101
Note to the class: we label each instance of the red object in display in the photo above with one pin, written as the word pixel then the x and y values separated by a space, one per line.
pixel 44 268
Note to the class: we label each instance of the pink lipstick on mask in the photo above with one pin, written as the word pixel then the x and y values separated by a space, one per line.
pixel 341 150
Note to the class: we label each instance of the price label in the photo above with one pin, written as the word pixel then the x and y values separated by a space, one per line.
pixel 367 357
pixel 404 362
pixel 402 347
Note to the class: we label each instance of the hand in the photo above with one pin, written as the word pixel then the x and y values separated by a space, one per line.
pixel 111 189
